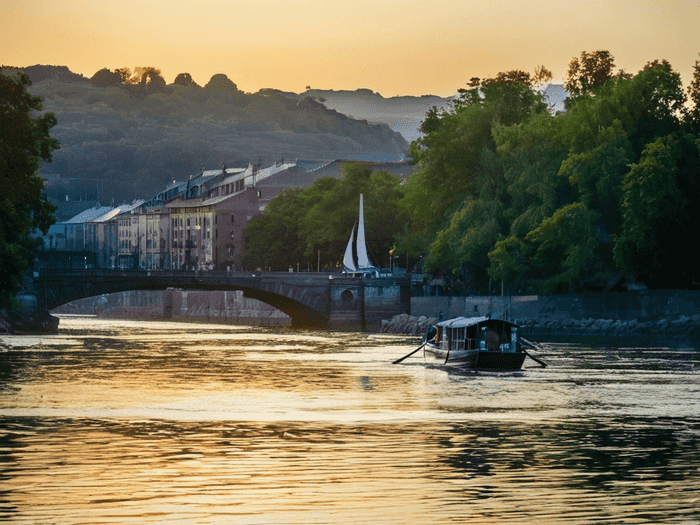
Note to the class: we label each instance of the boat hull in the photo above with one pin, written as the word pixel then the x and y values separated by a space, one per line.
pixel 475 359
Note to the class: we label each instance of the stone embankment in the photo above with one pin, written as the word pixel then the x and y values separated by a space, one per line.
pixel 682 330
pixel 407 324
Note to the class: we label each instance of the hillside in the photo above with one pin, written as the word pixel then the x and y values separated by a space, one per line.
pixel 120 141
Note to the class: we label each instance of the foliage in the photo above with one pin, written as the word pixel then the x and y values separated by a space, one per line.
pixel 660 212
pixel 589 72
pixel 694 96
pixel 24 143
pixel 560 203
pixel 297 224
pixel 458 169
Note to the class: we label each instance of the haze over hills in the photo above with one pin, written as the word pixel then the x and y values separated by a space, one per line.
pixel 402 113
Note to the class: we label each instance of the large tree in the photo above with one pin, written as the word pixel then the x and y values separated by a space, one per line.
pixel 24 143
pixel 455 199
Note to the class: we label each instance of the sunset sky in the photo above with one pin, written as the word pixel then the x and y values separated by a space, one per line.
pixel 402 47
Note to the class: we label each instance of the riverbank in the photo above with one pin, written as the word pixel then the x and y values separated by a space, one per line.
pixel 668 332
pixel 20 323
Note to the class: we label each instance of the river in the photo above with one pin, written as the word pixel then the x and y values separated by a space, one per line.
pixel 116 421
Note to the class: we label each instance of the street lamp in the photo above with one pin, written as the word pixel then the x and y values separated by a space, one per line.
pixel 198 227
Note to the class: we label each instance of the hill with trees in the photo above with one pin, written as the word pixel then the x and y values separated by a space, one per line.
pixel 126 134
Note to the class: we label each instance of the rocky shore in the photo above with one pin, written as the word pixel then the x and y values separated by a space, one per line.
pixel 683 330
pixel 407 324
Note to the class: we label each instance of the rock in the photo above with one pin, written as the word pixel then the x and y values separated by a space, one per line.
pixel 20 322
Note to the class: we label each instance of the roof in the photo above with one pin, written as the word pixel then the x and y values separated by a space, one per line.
pixel 462 322
pixel 89 215
pixel 229 171
pixel 65 210
pixel 119 209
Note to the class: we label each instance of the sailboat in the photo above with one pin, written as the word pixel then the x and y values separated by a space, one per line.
pixel 356 260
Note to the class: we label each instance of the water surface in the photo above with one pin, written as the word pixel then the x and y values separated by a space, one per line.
pixel 143 422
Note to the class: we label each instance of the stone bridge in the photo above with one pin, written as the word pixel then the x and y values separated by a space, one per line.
pixel 311 300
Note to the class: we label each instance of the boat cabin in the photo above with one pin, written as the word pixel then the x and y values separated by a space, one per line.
pixel 476 333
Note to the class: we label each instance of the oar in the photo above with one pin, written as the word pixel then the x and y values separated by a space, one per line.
pixel 531 345
pixel 542 363
pixel 407 355
pixel 527 343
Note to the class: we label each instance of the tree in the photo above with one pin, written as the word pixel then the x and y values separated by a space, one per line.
pixel 694 95
pixel 185 79
pixel 152 79
pixel 220 83
pixel 457 168
pixel 589 72
pixel 24 143
pixel 660 214
pixel 106 78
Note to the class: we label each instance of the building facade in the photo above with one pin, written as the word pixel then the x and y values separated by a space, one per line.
pixel 197 224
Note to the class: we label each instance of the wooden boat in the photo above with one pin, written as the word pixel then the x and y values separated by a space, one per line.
pixel 478 343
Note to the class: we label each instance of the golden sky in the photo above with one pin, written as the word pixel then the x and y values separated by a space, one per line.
pixel 400 47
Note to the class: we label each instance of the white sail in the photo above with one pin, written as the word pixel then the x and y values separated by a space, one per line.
pixel 348 260
pixel 362 258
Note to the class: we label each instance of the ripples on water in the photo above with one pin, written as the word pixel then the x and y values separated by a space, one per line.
pixel 130 422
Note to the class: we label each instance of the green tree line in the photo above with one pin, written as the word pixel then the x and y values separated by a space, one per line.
pixel 24 143
pixel 303 226
pixel 505 190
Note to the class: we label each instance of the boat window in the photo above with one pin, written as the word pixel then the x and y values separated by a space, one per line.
pixel 459 337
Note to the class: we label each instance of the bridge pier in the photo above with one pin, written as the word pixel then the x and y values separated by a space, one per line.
pixel 358 304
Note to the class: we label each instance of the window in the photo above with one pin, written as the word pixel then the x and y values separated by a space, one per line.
pixel 233 218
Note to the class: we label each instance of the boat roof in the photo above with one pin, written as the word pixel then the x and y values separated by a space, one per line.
pixel 462 322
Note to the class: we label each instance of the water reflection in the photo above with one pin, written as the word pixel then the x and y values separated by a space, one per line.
pixel 163 423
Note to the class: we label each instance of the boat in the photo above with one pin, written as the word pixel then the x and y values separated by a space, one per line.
pixel 356 261
pixel 478 343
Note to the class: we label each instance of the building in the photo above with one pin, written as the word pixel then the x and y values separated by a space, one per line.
pixel 195 224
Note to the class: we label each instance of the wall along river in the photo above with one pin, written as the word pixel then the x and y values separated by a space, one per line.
pixel 116 421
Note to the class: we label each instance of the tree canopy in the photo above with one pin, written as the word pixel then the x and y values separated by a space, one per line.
pixel 24 143
pixel 299 223
pixel 506 190
pixel 558 203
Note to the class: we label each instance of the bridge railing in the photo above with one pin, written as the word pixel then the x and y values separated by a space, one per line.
pixel 199 274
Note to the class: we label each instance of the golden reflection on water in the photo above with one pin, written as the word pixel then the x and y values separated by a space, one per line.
pixel 128 422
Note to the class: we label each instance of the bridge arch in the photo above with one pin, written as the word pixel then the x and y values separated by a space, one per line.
pixel 311 300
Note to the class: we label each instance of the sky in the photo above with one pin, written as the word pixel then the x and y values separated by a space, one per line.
pixel 399 47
